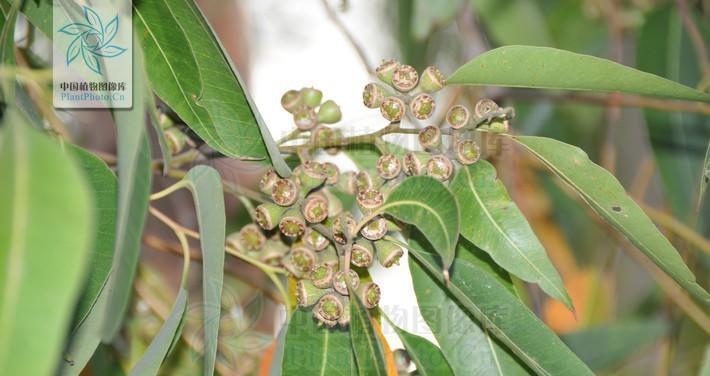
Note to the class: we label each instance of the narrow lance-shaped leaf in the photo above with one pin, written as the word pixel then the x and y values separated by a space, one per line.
pixel 500 312
pixel 366 345
pixel 469 348
pixel 199 82
pixel 427 204
pixel 206 186
pixel 311 349
pixel 134 174
pixel 607 197
pixel 45 233
pixel 427 357
pixel 492 221
pixel 550 68
pixel 704 177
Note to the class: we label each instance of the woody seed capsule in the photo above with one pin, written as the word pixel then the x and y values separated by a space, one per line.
pixel 392 109
pixel 307 293
pixel 284 192
pixel 369 294
pixel 304 260
pixel 373 95
pixel 388 253
pixel 329 310
pixel 344 320
pixel 343 227
pixel 249 238
pixel 267 181
pixel 292 224
pixel 457 116
pixel 375 229
pixel 315 240
pixel 430 136
pixel 369 199
pixel 315 208
pixel 484 106
pixel 331 172
pixel 305 118
pixel 440 167
pixel 422 106
pixel 310 175
pixel 432 80
pixel 467 152
pixel 405 78
pixel 386 69
pixel 267 215
pixel 322 276
pixel 339 282
pixel 388 166
pixel 415 162
pixel 361 254
pixel 363 181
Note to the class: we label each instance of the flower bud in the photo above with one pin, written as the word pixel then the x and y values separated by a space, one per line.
pixel 310 175
pixel 328 256
pixel 267 181
pixel 249 238
pixel 430 136
pixel 467 152
pixel 292 224
pixel 386 69
pixel 457 117
pixel 339 282
pixel 369 294
pixel 305 118
pixel 415 162
pixel 329 113
pixel 370 199
pixel 405 78
pixel 422 106
pixel 361 254
pixel 388 166
pixel 315 240
pixel 311 97
pixel 267 215
pixel 284 192
pixel 315 208
pixel 432 80
pixel 388 253
pixel 301 261
pixel 440 167
pixel 373 95
pixel 331 172
pixel 343 227
pixel 375 229
pixel 484 106
pixel 273 252
pixel 307 293
pixel 291 100
pixel 175 139
pixel 323 275
pixel 392 109
pixel 329 310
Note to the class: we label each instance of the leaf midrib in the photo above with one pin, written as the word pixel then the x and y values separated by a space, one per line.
pixel 428 208
pixel 367 333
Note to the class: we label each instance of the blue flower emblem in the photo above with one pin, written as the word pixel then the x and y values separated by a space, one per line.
pixel 92 40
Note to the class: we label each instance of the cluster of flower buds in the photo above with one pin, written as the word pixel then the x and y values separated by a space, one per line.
pixel 403 91
pixel 308 109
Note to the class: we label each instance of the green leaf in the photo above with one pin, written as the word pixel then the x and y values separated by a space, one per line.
pixel 492 221
pixel 704 177
pixel 425 355
pixel 45 234
pixel 206 186
pixel 705 366
pixel 158 349
pixel 481 295
pixel 188 70
pixel 427 204
pixel 431 14
pixel 550 68
pixel 605 347
pixel 311 349
pixel 366 345
pixel 502 20
pixel 134 172
pixel 104 190
pixel 607 197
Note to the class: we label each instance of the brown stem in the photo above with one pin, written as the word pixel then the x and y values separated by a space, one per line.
pixel 344 30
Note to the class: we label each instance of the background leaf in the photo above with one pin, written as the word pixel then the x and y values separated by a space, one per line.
pixel 550 68
pixel 492 221
pixel 498 310
pixel 502 20
pixel 607 197
pixel 45 233
pixel 206 186
pixel 425 355
pixel 427 204
pixel 368 351
pixel 314 350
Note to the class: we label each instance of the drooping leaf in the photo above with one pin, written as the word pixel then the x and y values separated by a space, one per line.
pixel 604 347
pixel 159 347
pixel 492 221
pixel 550 68
pixel 425 355
pixel 188 70
pixel 480 294
pixel 206 186
pixel 468 347
pixel 104 190
pixel 134 184
pixel 607 197
pixel 369 354
pixel 45 234
pixel 315 350
pixel 502 20
pixel 427 204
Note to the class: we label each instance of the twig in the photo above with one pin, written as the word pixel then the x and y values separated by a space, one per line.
pixel 356 46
